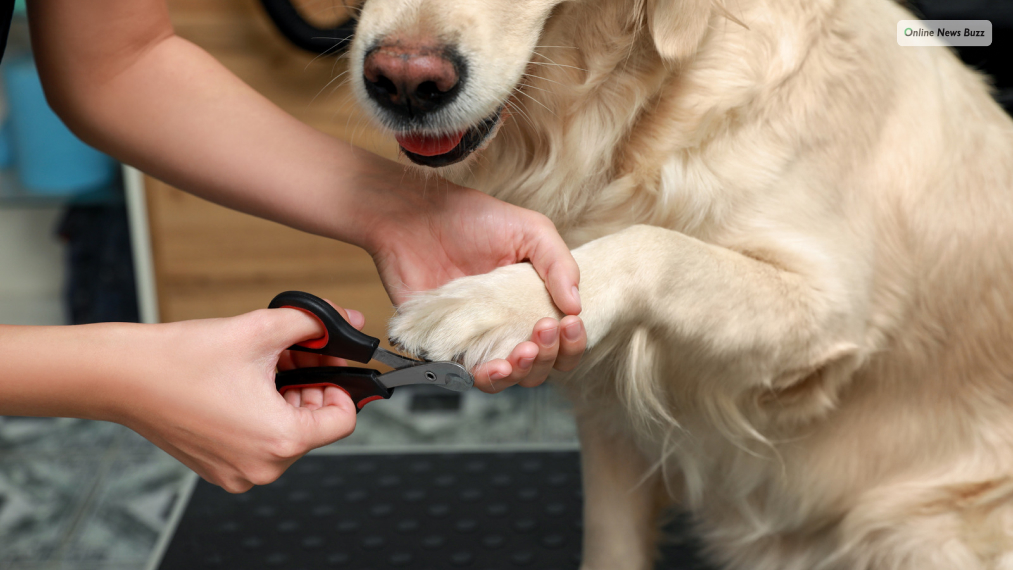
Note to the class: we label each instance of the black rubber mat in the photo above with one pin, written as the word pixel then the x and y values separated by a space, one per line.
pixel 487 511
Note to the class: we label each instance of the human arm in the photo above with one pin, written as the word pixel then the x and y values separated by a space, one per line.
pixel 201 390
pixel 123 81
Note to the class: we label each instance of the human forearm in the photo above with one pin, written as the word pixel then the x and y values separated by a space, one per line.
pixel 66 371
pixel 160 103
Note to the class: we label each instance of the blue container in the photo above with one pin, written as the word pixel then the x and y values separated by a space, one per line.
pixel 6 153
pixel 48 157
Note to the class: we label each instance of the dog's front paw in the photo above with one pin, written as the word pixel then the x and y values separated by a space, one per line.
pixel 474 319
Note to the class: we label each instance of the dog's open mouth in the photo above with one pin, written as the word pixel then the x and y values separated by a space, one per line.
pixel 446 149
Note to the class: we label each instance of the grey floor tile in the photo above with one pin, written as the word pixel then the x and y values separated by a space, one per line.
pixel 518 415
pixel 60 436
pixel 554 417
pixel 74 565
pixel 41 500
pixel 130 510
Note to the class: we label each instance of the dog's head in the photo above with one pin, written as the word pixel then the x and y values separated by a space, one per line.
pixel 440 73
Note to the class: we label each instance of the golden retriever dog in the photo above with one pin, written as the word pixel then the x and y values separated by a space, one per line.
pixel 795 240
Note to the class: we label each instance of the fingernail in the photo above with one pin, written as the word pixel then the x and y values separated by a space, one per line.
pixel 576 296
pixel 571 331
pixel 497 376
pixel 548 336
pixel 526 363
pixel 355 318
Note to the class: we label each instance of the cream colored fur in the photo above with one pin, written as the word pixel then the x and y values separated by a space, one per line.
pixel 796 250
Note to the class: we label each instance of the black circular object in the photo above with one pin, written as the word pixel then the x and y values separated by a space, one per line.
pixel 525 525
pixel 522 557
pixel 276 559
pixel 497 509
pixel 322 510
pixel 332 481
pixel 527 494
pixel 305 35
pixel 494 541
pixel 438 510
pixel 356 496
pixel 555 509
pixel 381 510
pixel 476 466
pixel 400 558
pixel 445 480
pixel 347 526
pixel 299 496
pixel 553 540
pixel 407 525
pixel 433 541
pixel 338 558
pixel 470 495
pixel 312 542
pixel 466 525
pixel 421 466
pixel 413 495
pixel 557 479
pixel 531 466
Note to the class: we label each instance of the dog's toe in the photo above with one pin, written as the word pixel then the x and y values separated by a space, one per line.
pixel 473 319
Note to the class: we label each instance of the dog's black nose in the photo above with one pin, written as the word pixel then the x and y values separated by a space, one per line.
pixel 412 78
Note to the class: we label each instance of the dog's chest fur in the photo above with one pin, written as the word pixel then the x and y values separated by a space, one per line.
pixel 712 151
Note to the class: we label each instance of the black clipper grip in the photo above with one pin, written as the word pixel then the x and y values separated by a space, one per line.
pixel 361 384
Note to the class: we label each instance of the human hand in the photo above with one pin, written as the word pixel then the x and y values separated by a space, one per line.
pixel 554 345
pixel 425 237
pixel 204 392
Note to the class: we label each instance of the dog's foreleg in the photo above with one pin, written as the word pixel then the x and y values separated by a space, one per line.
pixel 620 505
pixel 732 319
pixel 737 321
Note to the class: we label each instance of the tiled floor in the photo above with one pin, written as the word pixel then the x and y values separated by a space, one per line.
pixel 81 495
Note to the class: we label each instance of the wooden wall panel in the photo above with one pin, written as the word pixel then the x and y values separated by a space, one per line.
pixel 211 261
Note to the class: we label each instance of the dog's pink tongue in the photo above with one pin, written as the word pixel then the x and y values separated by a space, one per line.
pixel 423 145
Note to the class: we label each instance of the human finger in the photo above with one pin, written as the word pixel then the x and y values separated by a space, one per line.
pixel 572 344
pixel 546 336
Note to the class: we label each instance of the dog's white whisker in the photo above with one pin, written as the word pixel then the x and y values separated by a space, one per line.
pixel 560 65
pixel 520 112
pixel 333 79
pixel 520 92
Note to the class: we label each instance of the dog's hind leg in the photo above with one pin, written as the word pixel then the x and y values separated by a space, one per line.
pixel 621 509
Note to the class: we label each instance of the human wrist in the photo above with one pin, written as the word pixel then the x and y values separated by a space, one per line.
pixel 379 196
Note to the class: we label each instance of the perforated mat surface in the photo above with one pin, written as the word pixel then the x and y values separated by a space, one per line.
pixel 487 511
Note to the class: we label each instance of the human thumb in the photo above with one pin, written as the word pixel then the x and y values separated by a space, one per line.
pixel 556 266
pixel 287 326
pixel 290 325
